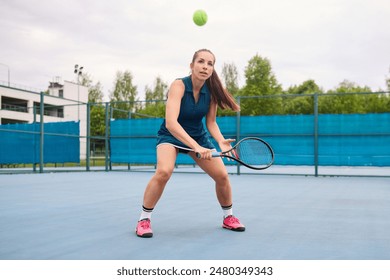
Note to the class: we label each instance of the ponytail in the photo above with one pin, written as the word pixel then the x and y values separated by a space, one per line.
pixel 219 95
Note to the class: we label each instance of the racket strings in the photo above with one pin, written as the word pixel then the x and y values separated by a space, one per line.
pixel 254 152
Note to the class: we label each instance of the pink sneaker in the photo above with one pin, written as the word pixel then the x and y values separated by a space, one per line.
pixel 232 223
pixel 144 228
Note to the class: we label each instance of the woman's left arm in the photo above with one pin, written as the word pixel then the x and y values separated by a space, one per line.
pixel 213 128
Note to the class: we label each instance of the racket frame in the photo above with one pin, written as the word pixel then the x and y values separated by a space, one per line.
pixel 232 150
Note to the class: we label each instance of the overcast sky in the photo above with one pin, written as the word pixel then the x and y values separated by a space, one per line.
pixel 324 40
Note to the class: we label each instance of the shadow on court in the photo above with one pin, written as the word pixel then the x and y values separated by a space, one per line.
pixel 93 216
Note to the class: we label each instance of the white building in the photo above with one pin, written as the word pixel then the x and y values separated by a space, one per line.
pixel 64 102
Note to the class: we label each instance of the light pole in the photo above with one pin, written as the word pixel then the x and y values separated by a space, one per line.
pixel 8 73
pixel 78 71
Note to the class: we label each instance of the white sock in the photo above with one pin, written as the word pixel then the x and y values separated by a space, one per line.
pixel 146 213
pixel 227 210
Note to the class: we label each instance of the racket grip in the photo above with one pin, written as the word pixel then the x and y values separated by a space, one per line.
pixel 213 154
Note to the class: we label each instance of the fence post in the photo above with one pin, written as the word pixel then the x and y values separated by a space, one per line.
pixel 42 131
pixel 316 134
pixel 106 137
pixel 87 163
pixel 35 143
pixel 129 117
pixel 238 131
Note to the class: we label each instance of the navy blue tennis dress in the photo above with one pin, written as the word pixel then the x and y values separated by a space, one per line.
pixel 190 118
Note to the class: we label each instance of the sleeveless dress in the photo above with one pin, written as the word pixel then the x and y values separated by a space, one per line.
pixel 190 118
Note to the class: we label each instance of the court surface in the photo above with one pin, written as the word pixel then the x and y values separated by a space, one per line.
pixel 92 216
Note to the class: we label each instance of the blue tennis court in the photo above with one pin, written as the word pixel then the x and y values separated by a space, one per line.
pixel 92 215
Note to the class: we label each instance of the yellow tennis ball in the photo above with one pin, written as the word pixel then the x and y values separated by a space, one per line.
pixel 199 17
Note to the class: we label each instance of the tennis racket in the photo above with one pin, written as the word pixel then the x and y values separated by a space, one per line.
pixel 251 152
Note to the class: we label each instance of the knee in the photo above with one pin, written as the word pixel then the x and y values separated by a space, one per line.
pixel 222 178
pixel 163 175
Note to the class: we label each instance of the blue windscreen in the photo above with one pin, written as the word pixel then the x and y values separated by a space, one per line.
pixel 20 143
pixel 351 140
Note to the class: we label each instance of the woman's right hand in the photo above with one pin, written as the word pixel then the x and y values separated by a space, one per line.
pixel 203 152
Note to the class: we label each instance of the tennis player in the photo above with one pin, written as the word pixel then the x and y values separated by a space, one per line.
pixel 190 99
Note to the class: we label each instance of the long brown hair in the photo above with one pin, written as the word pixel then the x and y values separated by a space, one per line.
pixel 219 94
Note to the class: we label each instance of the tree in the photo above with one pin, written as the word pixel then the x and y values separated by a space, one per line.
pixel 345 99
pixel 97 117
pixel 95 93
pixel 155 105
pixel 159 91
pixel 97 110
pixel 230 78
pixel 377 103
pixel 261 83
pixel 306 87
pixel 301 104
pixel 124 95
pixel 86 80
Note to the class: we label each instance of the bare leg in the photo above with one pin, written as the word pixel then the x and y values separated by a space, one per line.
pixel 166 157
pixel 216 169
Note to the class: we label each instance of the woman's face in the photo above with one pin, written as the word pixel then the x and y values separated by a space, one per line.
pixel 203 65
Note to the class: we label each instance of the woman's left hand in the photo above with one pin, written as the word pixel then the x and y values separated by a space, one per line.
pixel 225 145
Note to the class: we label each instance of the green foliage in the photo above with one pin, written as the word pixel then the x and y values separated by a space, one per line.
pixel 307 87
pixel 377 103
pixel 98 114
pixel 124 95
pixel 154 105
pixel 225 112
pixel 339 103
pixel 95 93
pixel 349 98
pixel 230 78
pixel 298 105
pixel 86 79
pixel 260 81
pixel 159 91
pixel 154 109
pixel 261 95
pixel 304 104
pixel 349 87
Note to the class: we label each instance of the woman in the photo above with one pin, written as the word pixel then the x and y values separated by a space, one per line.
pixel 189 100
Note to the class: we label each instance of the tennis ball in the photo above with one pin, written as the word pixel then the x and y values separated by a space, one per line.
pixel 199 17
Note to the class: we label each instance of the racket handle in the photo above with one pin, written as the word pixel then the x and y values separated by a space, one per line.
pixel 213 154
